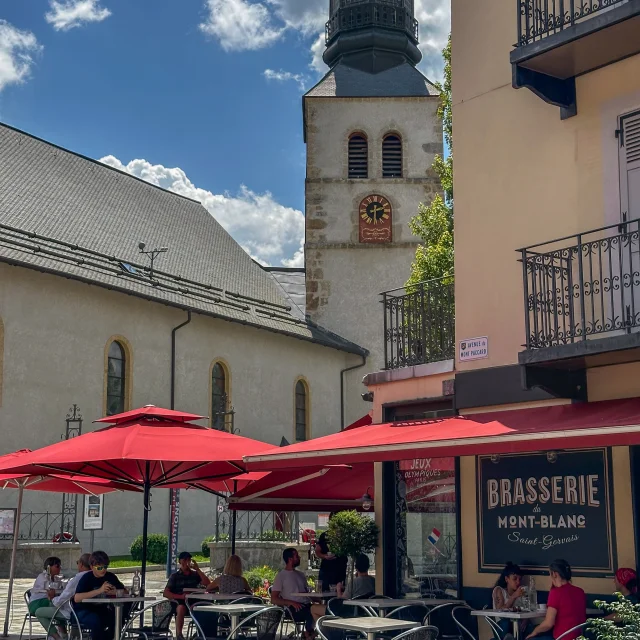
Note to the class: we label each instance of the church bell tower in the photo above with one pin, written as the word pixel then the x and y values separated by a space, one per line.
pixel 372 131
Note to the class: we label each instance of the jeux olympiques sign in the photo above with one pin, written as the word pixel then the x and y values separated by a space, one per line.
pixel 535 507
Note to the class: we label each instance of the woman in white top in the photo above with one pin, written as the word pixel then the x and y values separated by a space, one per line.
pixel 41 594
pixel 507 592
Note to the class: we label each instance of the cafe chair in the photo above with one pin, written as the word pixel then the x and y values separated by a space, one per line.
pixel 337 607
pixel 410 612
pixel 331 633
pixel 440 617
pixel 298 627
pixel 420 633
pixel 247 600
pixel 160 627
pixel 496 629
pixel 198 629
pixel 263 624
pixel 572 631
pixel 71 625
pixel 28 617
pixel 461 615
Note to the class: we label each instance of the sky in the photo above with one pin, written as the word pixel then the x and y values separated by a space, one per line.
pixel 203 97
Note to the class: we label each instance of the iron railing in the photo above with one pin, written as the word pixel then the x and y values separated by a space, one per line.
pixel 538 19
pixel 354 14
pixel 265 526
pixel 38 527
pixel 419 323
pixel 582 286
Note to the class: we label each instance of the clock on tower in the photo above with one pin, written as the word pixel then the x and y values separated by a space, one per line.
pixel 375 219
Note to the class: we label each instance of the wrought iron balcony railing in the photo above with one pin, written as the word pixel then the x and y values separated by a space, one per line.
pixel 355 14
pixel 419 324
pixel 538 19
pixel 582 286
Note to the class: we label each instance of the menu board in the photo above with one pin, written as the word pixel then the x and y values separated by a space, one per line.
pixel 536 507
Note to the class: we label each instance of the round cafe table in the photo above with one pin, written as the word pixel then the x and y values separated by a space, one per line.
pixel 118 603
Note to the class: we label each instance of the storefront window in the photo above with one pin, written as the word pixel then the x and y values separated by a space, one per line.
pixel 426 510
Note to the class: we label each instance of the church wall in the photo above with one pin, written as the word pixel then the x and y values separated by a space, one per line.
pixel 55 331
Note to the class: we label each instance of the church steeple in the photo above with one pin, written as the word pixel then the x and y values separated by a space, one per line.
pixel 372 35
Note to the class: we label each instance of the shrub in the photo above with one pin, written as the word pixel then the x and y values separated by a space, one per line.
pixel 350 533
pixel 157 547
pixel 206 552
pixel 625 628
pixel 272 536
pixel 257 577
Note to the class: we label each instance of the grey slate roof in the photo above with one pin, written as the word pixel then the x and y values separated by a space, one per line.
pixel 294 285
pixel 69 215
pixel 343 81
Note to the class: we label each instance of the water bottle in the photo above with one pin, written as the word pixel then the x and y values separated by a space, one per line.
pixel 135 585
pixel 533 594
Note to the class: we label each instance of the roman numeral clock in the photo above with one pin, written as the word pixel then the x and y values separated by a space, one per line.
pixel 375 213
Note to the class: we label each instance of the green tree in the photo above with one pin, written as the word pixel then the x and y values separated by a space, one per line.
pixel 433 223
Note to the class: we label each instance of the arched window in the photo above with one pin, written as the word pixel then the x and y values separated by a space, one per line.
pixel 392 156
pixel 358 156
pixel 116 379
pixel 221 417
pixel 302 412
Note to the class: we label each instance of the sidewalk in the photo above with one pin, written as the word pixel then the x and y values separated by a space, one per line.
pixel 156 581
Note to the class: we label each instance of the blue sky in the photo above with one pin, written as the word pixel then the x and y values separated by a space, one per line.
pixel 200 96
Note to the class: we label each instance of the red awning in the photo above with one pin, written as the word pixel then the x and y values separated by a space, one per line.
pixel 365 421
pixel 572 426
pixel 311 488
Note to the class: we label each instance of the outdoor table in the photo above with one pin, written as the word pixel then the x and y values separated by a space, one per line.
pixel 234 611
pixel 371 626
pixel 387 603
pixel 318 595
pixel 212 597
pixel 514 616
pixel 118 603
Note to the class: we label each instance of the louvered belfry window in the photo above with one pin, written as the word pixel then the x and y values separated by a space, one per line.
pixel 629 137
pixel 358 156
pixel 392 156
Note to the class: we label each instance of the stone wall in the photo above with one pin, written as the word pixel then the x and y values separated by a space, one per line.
pixel 255 554
pixel 31 556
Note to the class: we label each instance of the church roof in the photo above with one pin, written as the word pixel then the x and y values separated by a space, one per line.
pixel 68 215
pixel 294 285
pixel 343 81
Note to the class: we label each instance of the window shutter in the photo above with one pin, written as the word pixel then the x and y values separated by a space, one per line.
pixel 358 156
pixel 392 157
pixel 630 166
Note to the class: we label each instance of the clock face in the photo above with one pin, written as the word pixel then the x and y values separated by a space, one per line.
pixel 375 210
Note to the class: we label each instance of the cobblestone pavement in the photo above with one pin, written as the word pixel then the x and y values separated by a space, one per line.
pixel 156 581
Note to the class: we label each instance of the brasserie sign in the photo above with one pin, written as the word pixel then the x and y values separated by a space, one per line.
pixel 536 507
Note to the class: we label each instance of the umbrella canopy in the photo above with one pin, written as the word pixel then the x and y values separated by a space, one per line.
pixel 323 488
pixel 142 449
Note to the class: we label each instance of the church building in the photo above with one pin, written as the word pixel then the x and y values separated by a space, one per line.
pixel 88 319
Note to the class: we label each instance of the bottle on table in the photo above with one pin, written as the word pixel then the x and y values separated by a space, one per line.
pixel 135 585
pixel 533 594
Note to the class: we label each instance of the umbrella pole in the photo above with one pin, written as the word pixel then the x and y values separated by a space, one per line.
pixel 14 553
pixel 234 520
pixel 145 529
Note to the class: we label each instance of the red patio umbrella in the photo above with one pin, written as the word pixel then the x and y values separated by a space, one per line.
pixel 42 482
pixel 142 449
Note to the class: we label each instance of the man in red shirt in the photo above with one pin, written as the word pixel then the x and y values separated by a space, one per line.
pixel 566 605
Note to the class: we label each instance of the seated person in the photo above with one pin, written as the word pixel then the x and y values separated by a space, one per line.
pixel 364 585
pixel 566 605
pixel 290 581
pixel 231 580
pixel 626 583
pixel 98 582
pixel 41 594
pixel 46 614
pixel 507 595
pixel 188 576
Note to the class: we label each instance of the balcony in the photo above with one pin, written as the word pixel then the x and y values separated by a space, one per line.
pixel 582 299
pixel 558 40
pixel 419 324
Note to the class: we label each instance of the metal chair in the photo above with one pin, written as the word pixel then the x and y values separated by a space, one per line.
pixel 498 633
pixel 440 616
pixel 28 617
pixel 71 625
pixel 410 612
pixel 160 627
pixel 337 607
pixel 572 631
pixel 420 633
pixel 331 633
pixel 461 615
pixel 298 627
pixel 265 623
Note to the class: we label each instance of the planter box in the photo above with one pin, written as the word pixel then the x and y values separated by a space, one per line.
pixel 255 554
pixel 31 556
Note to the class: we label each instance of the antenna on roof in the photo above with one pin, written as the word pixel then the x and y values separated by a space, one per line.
pixel 152 254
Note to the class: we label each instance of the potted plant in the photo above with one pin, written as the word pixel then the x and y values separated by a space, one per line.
pixel 349 534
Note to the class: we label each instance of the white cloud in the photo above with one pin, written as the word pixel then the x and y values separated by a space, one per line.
pixel 240 25
pixel 268 231
pixel 17 51
pixel 68 14
pixel 247 24
pixel 284 76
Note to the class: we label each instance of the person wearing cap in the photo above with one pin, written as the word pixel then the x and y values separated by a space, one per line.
pixel 188 576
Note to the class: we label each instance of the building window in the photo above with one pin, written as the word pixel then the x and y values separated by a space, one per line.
pixel 358 156
pixel 1 358
pixel 392 156
pixel 629 149
pixel 302 411
pixel 116 379
pixel 221 414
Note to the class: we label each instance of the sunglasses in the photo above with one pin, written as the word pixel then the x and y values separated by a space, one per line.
pixel 101 567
